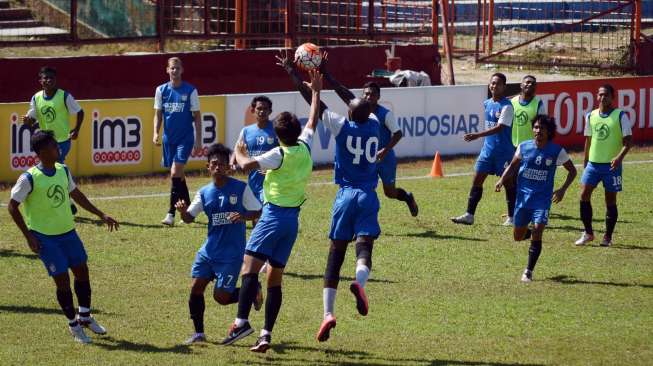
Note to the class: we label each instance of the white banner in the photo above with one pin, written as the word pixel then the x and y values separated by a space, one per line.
pixel 431 118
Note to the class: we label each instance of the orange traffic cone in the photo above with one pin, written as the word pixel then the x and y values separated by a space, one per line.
pixel 436 169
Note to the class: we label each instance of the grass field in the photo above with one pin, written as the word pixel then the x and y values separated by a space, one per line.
pixel 440 294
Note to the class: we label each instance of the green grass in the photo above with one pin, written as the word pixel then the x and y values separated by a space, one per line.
pixel 439 293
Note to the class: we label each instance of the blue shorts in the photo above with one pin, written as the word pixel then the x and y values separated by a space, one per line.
pixel 387 168
pixel 225 273
pixel 176 153
pixel 600 172
pixel 274 235
pixel 355 213
pixel 523 216
pixel 60 252
pixel 493 164
pixel 64 149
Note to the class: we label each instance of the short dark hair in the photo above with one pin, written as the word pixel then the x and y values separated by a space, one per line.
pixel 287 128
pixel 41 139
pixel 47 70
pixel 262 99
pixel 360 110
pixel 529 77
pixel 501 76
pixel 372 85
pixel 548 122
pixel 609 88
pixel 218 150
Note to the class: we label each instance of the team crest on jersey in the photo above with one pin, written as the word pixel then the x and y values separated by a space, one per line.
pixel 233 199
pixel 184 97
pixel 49 113
pixel 56 194
pixel 548 162
pixel 270 140
pixel 602 131
pixel 521 118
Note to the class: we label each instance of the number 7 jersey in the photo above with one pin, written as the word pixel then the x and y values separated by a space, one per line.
pixel 356 148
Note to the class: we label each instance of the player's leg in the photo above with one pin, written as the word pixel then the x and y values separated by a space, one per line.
pixel 364 247
pixel 475 194
pixel 588 181
pixel 335 259
pixel 65 300
pixel 612 182
pixel 521 219
pixel 535 249
pixel 196 304
pixel 387 170
pixel 273 302
pixel 511 193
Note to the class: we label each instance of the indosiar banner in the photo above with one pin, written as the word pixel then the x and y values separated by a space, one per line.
pixel 115 138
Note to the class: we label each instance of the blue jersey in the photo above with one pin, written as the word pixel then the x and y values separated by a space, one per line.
pixel 384 133
pixel 177 105
pixel 225 240
pixel 258 141
pixel 356 148
pixel 537 172
pixel 499 143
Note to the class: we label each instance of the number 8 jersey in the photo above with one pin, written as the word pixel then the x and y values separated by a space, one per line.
pixel 356 148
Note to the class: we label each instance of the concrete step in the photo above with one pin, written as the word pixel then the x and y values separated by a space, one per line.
pixel 15 14
pixel 27 23
pixel 5 4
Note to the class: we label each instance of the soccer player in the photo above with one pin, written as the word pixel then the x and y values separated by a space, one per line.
pixel 177 106
pixel 535 164
pixel 526 106
pixel 288 169
pixel 390 135
pixel 497 151
pixel 259 138
pixel 608 138
pixel 49 110
pixel 227 202
pixel 46 190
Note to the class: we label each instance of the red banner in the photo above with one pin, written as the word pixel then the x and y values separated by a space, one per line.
pixel 569 101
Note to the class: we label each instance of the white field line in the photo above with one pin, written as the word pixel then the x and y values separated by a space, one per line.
pixel 416 177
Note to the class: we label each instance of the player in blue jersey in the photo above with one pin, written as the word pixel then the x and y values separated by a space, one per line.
pixel 535 164
pixel 45 191
pixel 497 151
pixel 259 138
pixel 227 203
pixel 390 134
pixel 177 106
pixel 288 169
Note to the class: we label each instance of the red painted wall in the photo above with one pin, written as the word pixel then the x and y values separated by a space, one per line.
pixel 218 72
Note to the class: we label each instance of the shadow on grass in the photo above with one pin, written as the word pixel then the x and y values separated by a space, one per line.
pixel 308 277
pixel 597 219
pixel 113 344
pixel 372 360
pixel 567 280
pixel 630 247
pixel 98 222
pixel 25 309
pixel 10 253
pixel 281 349
pixel 432 234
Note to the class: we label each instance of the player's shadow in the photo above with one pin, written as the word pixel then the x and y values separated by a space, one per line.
pixel 372 360
pixel 568 280
pixel 113 344
pixel 10 253
pixel 433 235
pixel 563 217
pixel 630 247
pixel 98 222
pixel 309 277
pixel 25 309
pixel 281 349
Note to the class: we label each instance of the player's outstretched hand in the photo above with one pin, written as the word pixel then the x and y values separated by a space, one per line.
pixel 27 120
pixel 181 206
pixel 197 148
pixel 112 224
pixel 242 148
pixel 284 60
pixel 558 195
pixel 33 243
pixel 235 217
pixel 470 137
pixel 323 64
pixel 316 80
pixel 497 187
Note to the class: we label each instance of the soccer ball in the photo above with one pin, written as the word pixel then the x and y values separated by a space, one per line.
pixel 308 57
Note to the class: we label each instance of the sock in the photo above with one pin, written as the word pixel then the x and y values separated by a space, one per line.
pixel 362 273
pixel 182 192
pixel 272 307
pixel 83 292
pixel 240 322
pixel 247 294
pixel 196 307
pixel 402 195
pixel 611 215
pixel 234 296
pixel 329 300
pixel 173 196
pixel 475 195
pixel 586 216
pixel 534 253
pixel 265 332
pixel 528 234
pixel 65 299
pixel 511 196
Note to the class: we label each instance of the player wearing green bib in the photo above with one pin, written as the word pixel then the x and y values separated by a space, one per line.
pixel 608 138
pixel 46 190
pixel 526 107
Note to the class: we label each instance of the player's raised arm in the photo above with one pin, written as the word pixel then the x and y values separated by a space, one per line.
pixel 242 157
pixel 316 86
pixel 343 92
pixel 283 60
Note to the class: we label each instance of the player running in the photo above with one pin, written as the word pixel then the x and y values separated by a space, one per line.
pixel 288 169
pixel 535 164
pixel 227 202
pixel 608 138
pixel 497 150
pixel 177 106
pixel 46 190
pixel 390 134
